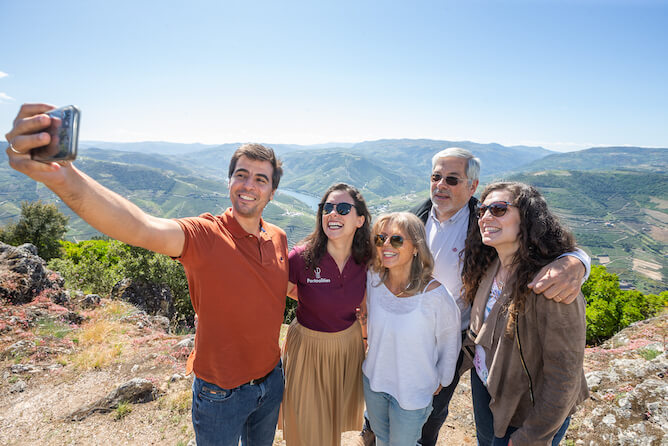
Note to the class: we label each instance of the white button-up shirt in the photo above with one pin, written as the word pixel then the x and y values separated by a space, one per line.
pixel 446 241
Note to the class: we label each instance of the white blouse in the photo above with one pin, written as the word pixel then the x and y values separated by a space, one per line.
pixel 414 342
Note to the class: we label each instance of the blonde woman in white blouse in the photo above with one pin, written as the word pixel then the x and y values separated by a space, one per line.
pixel 413 332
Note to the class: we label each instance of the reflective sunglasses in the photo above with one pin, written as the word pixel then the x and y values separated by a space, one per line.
pixel 396 241
pixel 450 181
pixel 341 208
pixel 497 208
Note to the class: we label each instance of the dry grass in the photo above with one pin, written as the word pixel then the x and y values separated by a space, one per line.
pixel 179 402
pixel 115 309
pixel 96 356
pixel 100 338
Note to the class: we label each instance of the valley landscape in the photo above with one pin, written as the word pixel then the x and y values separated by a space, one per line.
pixel 615 199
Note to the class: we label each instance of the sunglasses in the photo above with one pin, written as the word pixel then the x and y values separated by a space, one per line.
pixel 450 181
pixel 396 241
pixel 497 209
pixel 341 208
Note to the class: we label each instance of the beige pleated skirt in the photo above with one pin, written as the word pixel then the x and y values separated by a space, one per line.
pixel 323 385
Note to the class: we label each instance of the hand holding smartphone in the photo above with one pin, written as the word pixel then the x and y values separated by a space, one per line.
pixel 64 132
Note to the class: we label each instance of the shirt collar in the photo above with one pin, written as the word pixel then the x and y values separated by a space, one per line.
pixel 463 213
pixel 235 228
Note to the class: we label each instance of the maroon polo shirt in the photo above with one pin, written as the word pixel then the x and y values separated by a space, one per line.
pixel 327 298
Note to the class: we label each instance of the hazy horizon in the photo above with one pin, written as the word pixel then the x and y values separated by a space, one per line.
pixel 560 74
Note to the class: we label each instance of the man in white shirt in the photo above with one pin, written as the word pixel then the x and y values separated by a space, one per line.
pixel 448 215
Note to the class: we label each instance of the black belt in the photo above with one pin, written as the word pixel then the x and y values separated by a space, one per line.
pixel 255 382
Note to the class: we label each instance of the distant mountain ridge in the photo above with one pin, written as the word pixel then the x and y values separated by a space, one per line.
pixel 615 198
pixel 604 158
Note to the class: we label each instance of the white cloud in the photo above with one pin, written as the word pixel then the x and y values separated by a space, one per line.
pixel 3 74
pixel 4 97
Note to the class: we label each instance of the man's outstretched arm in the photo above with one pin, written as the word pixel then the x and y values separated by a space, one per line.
pixel 103 209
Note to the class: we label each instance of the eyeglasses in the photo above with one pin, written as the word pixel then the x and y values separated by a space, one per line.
pixel 341 208
pixel 497 209
pixel 396 241
pixel 450 181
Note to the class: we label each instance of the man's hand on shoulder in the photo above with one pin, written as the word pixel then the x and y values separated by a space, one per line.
pixel 560 280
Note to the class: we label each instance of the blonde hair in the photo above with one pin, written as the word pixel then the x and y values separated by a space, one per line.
pixel 422 264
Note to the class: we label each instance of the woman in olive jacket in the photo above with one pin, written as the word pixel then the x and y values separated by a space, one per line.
pixel 527 350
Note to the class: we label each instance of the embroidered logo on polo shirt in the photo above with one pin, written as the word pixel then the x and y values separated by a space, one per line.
pixel 318 279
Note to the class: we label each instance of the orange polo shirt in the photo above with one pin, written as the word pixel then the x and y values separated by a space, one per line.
pixel 237 285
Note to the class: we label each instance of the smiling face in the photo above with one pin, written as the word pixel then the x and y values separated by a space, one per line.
pixel 446 199
pixel 398 258
pixel 501 232
pixel 250 188
pixel 341 227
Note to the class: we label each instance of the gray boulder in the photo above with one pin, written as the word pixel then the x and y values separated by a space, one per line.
pixel 154 299
pixel 137 390
pixel 24 276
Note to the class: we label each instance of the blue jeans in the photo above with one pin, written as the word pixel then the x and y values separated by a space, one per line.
pixel 439 412
pixel 250 412
pixel 555 441
pixel 484 420
pixel 392 425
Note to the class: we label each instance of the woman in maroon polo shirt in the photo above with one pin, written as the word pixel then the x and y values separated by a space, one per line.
pixel 324 350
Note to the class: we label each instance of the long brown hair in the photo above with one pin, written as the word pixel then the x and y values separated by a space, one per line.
pixel 316 242
pixel 422 264
pixel 541 238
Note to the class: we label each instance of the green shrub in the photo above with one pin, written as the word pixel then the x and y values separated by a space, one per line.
pixel 41 224
pixel 609 309
pixel 91 266
pixel 143 265
pixel 95 266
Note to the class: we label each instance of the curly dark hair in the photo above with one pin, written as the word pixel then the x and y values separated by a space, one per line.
pixel 542 238
pixel 316 242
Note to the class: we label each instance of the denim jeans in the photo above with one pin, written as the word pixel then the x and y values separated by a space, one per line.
pixel 250 412
pixel 439 413
pixel 392 425
pixel 484 420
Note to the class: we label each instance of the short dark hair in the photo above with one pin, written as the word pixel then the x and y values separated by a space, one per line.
pixel 258 152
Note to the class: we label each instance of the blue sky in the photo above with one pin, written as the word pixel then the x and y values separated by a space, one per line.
pixel 565 75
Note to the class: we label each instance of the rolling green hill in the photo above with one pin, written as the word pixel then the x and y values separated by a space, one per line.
pixel 603 158
pixel 161 193
pixel 620 218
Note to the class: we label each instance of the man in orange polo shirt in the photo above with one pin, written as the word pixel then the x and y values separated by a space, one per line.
pixel 237 271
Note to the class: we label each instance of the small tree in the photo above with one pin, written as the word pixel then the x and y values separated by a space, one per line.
pixel 41 224
pixel 609 309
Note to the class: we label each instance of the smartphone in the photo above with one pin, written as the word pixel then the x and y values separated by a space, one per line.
pixel 64 131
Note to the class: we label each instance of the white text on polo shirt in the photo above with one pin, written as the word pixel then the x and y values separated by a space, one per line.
pixel 318 279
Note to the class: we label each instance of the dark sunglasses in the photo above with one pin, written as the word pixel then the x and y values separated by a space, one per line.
pixel 450 181
pixel 396 241
pixel 341 208
pixel 497 209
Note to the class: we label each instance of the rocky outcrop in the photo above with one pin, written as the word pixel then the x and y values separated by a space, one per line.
pixel 136 390
pixel 627 378
pixel 24 276
pixel 153 299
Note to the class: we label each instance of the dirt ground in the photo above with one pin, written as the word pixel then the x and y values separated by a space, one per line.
pixel 49 369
